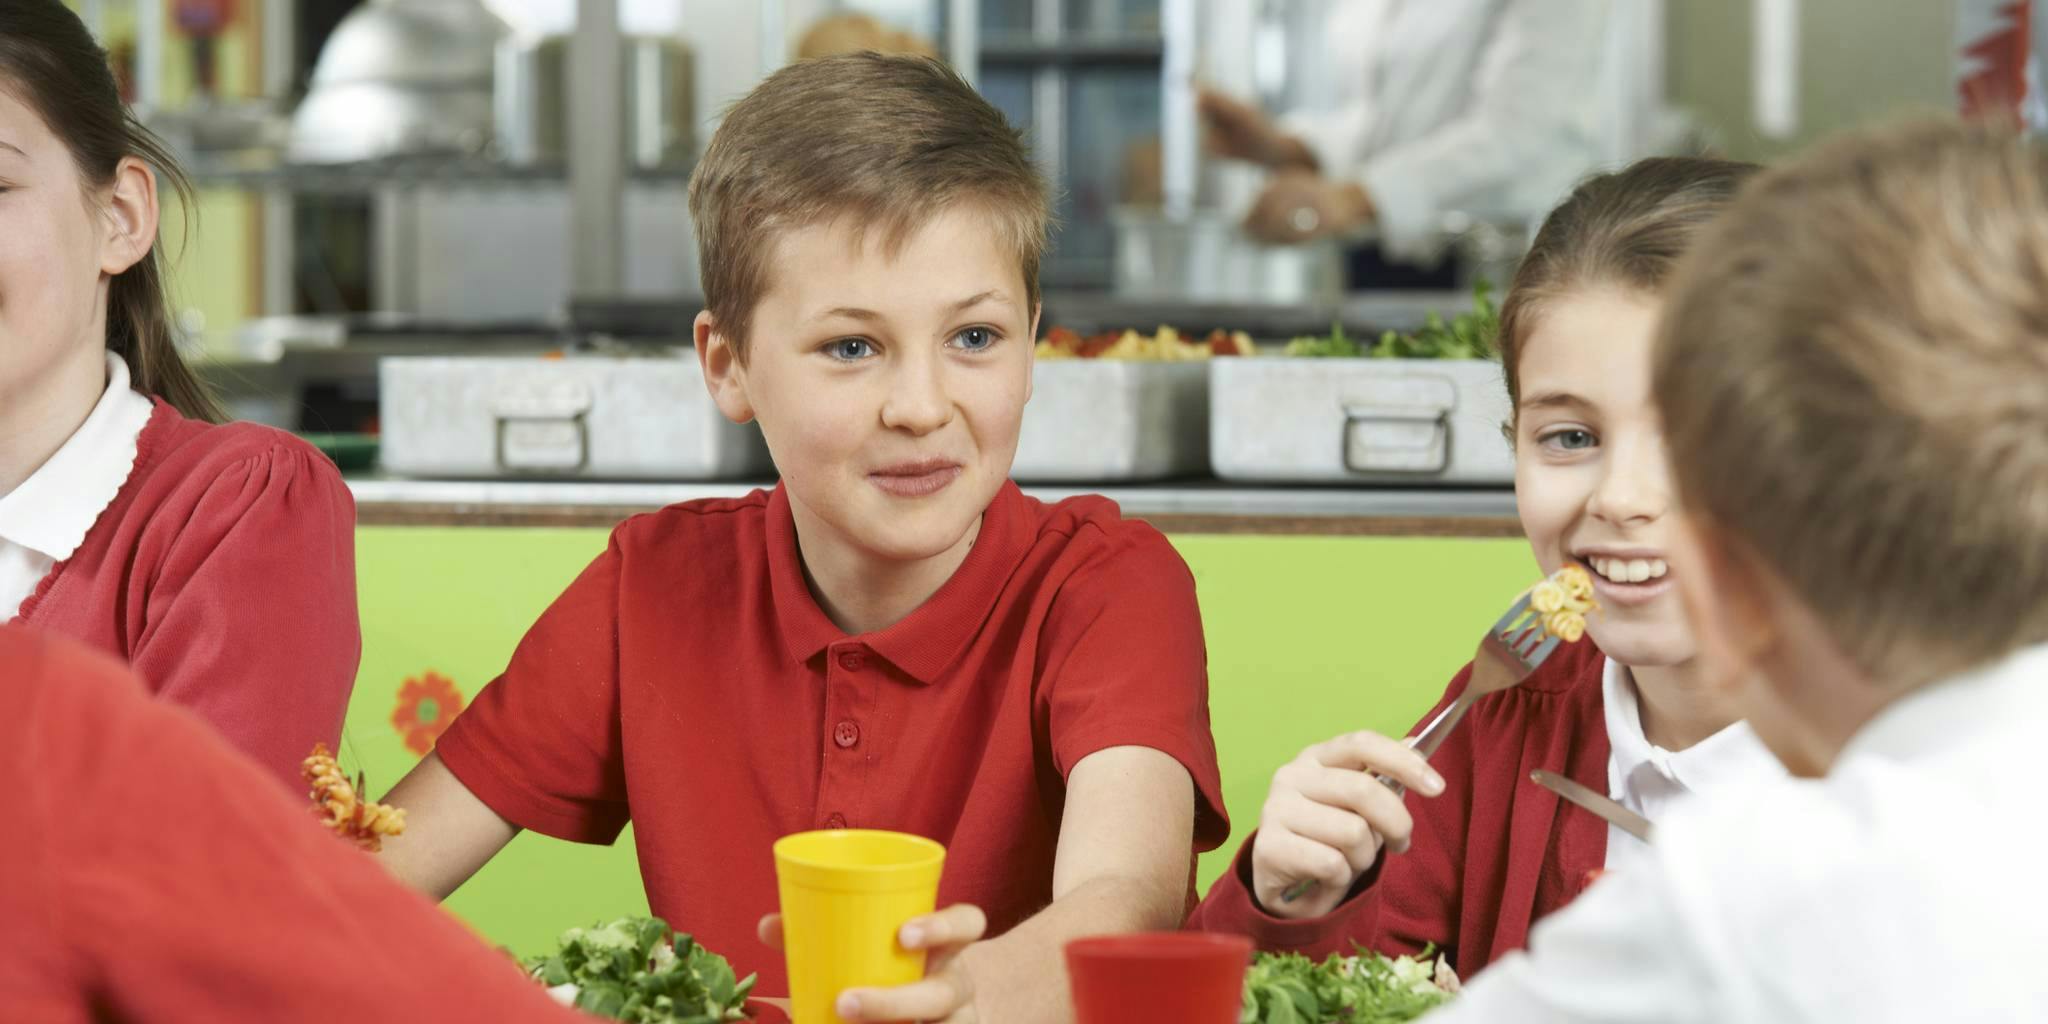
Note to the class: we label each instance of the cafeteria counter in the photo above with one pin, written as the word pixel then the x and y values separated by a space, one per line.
pixel 1191 507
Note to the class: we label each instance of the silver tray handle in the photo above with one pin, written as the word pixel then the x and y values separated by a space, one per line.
pixel 542 424
pixel 1382 438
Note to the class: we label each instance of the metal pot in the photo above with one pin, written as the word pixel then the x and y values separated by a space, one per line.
pixel 530 100
pixel 400 78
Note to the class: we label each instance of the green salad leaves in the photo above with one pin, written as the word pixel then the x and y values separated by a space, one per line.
pixel 637 969
pixel 1468 335
pixel 1288 988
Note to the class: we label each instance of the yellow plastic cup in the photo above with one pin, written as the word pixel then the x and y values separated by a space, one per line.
pixel 845 895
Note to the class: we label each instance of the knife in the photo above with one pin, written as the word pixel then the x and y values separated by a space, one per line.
pixel 1607 810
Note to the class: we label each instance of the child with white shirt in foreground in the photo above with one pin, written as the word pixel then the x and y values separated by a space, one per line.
pixel 1853 374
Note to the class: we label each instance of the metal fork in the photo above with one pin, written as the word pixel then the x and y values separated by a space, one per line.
pixel 1509 653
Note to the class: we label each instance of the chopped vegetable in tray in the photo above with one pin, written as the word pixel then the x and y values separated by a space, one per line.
pixel 637 969
pixel 1467 335
pixel 1288 988
pixel 1163 345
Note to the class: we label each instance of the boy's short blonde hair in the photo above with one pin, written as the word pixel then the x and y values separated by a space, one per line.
pixel 887 141
pixel 1853 374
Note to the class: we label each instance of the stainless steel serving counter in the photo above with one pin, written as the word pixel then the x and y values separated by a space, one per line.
pixel 1179 507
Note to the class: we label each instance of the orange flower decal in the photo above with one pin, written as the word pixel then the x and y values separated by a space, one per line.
pixel 426 706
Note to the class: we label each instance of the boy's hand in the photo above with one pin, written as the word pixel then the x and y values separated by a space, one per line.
pixel 945 996
pixel 1327 817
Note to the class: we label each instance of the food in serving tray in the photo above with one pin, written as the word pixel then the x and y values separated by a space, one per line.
pixel 1288 988
pixel 343 808
pixel 1468 335
pixel 1162 346
pixel 1564 600
pixel 638 969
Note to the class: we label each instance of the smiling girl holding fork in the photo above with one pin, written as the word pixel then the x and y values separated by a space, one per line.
pixel 1478 851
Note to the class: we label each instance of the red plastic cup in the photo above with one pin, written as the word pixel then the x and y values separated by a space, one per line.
pixel 1177 977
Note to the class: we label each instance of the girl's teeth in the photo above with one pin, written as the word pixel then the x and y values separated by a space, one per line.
pixel 1629 570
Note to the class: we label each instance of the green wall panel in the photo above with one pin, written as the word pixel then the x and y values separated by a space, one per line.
pixel 1308 636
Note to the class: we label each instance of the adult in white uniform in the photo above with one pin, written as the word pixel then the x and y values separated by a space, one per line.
pixel 1488 107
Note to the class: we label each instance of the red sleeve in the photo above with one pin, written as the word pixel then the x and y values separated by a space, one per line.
pixel 1125 666
pixel 251 615
pixel 1404 903
pixel 541 744
pixel 178 886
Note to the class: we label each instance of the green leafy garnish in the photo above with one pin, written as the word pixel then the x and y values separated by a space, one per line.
pixel 1288 988
pixel 637 969
pixel 1468 335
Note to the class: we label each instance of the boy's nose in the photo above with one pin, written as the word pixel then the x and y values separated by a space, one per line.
pixel 917 402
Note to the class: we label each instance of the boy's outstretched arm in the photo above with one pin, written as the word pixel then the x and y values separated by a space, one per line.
pixel 1126 846
pixel 449 833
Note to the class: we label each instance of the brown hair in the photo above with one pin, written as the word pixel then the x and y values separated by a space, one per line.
pixel 890 141
pixel 1853 375
pixel 1625 229
pixel 49 61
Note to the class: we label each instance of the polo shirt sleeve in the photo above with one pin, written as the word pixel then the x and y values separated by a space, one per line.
pixel 541 744
pixel 1125 665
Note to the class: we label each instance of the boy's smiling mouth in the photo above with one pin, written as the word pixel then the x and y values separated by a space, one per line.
pixel 915 479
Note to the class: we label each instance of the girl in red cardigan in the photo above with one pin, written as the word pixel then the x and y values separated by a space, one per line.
pixel 1477 852
pixel 217 559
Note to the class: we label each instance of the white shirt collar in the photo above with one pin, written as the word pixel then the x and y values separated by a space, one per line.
pixel 1732 756
pixel 53 509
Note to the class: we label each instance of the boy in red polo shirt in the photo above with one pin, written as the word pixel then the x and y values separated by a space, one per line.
pixel 894 637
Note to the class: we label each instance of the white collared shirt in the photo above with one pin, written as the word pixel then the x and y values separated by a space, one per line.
pixel 46 518
pixel 1651 780
pixel 1905 886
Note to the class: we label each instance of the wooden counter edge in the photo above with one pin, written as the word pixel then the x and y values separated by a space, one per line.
pixel 607 516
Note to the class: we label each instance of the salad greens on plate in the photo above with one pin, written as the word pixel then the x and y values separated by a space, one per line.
pixel 637 969
pixel 1288 988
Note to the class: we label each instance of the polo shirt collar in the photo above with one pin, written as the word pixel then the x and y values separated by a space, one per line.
pixel 51 512
pixel 927 640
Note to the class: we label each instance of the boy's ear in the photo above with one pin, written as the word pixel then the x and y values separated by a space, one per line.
pixel 1729 604
pixel 724 375
pixel 130 217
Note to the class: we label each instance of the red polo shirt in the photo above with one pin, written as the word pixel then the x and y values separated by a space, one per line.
pixel 153 876
pixel 688 681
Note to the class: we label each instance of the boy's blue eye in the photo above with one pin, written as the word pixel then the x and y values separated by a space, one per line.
pixel 975 339
pixel 850 349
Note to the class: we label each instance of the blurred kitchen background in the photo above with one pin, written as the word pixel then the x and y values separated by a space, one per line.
pixel 477 179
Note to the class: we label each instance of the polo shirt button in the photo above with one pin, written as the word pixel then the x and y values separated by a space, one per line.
pixel 852 661
pixel 846 734
pixel 836 821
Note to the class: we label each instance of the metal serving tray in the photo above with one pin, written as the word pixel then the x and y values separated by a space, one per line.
pixel 1093 420
pixel 635 417
pixel 1403 421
